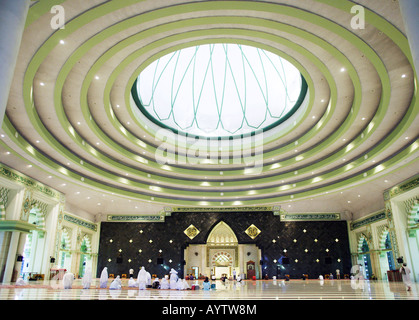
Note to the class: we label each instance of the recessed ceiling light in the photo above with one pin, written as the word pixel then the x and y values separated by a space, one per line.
pixel 342 69
pixel 97 77
pixel 403 76
pixel 42 84
pixel 406 138
pixel 363 119
pixel 62 41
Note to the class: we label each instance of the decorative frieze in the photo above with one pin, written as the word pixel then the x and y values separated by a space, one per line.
pixel 20 178
pixel 79 222
pixel 221 209
pixel 374 218
pixel 310 216
pixel 135 218
pixel 402 187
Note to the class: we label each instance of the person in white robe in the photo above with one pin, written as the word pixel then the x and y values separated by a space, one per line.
pixel 142 279
pixel 148 284
pixel 87 279
pixel 68 280
pixel 164 284
pixel 115 285
pixel 173 278
pixel 179 285
pixel 185 284
pixel 104 278
pixel 405 271
pixel 21 282
pixel 132 283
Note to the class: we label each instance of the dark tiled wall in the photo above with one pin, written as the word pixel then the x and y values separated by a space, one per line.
pixel 169 237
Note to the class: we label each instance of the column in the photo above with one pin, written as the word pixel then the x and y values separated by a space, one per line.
pixel 12 23
pixel 410 13
pixel 19 252
pixel 11 257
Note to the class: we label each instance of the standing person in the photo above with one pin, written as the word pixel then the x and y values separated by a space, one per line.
pixel 104 278
pixel 405 271
pixel 131 272
pixel 338 274
pixel 173 278
pixel 234 274
pixel 87 279
pixel 142 279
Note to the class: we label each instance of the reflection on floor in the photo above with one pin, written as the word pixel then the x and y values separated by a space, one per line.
pixel 231 290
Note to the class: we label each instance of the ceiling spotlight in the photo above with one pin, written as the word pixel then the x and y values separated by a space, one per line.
pixel 42 84
pixel 403 76
pixel 97 77
pixel 342 69
pixel 62 41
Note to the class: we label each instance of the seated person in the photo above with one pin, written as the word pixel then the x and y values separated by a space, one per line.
pixel 164 283
pixel 206 285
pixel 156 284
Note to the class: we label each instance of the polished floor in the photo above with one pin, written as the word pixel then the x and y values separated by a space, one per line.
pixel 231 290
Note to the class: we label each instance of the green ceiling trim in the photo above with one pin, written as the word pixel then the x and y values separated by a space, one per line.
pixel 105 98
pixel 217 172
pixel 17 225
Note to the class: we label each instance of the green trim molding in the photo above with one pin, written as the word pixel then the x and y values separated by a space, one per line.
pixel 17 225
pixel 310 216
pixel 80 222
pixel 402 187
pixel 26 181
pixel 137 218
pixel 371 219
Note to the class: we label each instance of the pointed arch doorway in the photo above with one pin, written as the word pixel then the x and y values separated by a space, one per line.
pixel 221 255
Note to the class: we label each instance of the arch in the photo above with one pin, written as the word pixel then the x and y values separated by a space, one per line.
pixel 65 239
pixel 413 214
pixel 39 217
pixel 383 238
pixel 361 240
pixel 88 242
pixel 222 234
pixel 222 258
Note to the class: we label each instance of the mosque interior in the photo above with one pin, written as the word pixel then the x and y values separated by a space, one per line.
pixel 276 141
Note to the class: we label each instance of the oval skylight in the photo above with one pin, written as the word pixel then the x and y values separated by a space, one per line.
pixel 219 90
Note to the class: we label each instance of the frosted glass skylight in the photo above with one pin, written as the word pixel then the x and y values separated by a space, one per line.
pixel 219 90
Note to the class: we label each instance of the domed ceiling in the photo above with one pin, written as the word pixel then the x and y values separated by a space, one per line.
pixel 78 121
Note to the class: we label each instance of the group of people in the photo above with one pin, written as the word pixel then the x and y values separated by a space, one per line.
pixel 144 281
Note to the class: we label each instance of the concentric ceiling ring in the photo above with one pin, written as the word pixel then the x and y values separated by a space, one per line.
pixel 359 108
